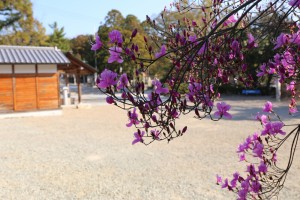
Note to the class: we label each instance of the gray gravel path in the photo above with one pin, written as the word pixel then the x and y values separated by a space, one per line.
pixel 87 154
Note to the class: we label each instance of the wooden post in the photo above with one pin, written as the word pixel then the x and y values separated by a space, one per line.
pixel 78 86
pixel 14 86
pixel 66 79
pixel 37 87
pixel 278 89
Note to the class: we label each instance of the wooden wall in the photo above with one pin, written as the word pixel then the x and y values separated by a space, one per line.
pixel 6 93
pixel 29 91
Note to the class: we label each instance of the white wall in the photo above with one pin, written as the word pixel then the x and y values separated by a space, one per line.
pixel 47 69
pixel 24 69
pixel 5 69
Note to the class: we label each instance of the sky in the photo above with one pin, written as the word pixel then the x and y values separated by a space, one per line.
pixel 84 17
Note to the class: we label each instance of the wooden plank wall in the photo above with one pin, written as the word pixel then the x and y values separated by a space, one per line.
pixel 6 93
pixel 25 92
pixel 47 91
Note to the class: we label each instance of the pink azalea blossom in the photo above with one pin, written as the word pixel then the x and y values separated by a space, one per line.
pixel 158 88
pixel 225 184
pixel 258 149
pixel 291 86
pixel 262 167
pixel 155 134
pixel 233 182
pixel 192 38
pixel 222 110
pixel 123 81
pixel 230 20
pixel 296 38
pixel 268 107
pixel 251 41
pixel 242 157
pixel 293 110
pixel 294 3
pixel 262 71
pixel 109 100
pixel 138 137
pixel 273 128
pixel 106 79
pixel 115 37
pixel 98 44
pixel 219 179
pixel 115 55
pixel 282 39
pixel 256 186
pixel 162 52
pixel 202 49
pixel 133 118
pixel 262 118
pixel 235 45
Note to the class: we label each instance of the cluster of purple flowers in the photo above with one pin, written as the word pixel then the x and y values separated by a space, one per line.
pixel 259 154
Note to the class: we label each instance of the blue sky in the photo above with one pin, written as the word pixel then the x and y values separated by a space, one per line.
pixel 83 17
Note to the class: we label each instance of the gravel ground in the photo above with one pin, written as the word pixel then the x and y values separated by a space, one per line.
pixel 87 154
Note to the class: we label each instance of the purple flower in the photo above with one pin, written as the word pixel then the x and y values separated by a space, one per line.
pixel 294 3
pixel 268 107
pixel 251 41
pixel 295 38
pixel 222 110
pixel 282 39
pixel 235 45
pixel 115 37
pixel 154 100
pixel 262 71
pixel 115 55
pixel 107 79
pixel 236 176
pixel 291 86
pixel 202 49
pixel 276 128
pixel 110 100
pixel 138 137
pixel 194 23
pixel 158 87
pixel 243 194
pixel 162 52
pixel 98 44
pixel 293 110
pixel 262 167
pixel 258 149
pixel 242 157
pixel 155 134
pixel 256 187
pixel 133 118
pixel 219 179
pixel 123 81
pixel 230 20
pixel 274 157
pixel 273 128
pixel 225 184
pixel 192 38
pixel 262 118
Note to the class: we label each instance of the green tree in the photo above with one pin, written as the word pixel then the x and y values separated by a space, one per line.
pixel 81 48
pixel 19 26
pixel 114 18
pixel 57 38
pixel 8 15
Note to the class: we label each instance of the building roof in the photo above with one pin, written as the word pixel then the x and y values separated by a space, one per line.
pixel 31 55
pixel 77 66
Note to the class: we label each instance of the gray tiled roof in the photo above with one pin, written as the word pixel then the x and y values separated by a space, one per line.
pixel 30 55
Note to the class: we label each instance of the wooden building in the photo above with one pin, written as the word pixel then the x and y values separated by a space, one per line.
pixel 29 78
